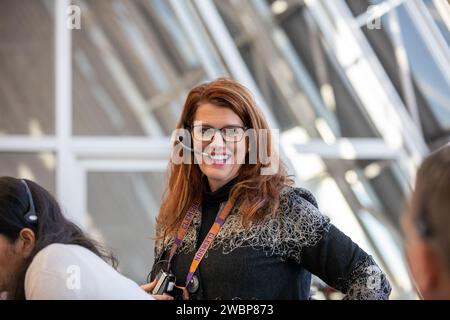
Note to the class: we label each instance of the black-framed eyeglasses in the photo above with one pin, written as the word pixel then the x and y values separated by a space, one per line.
pixel 207 134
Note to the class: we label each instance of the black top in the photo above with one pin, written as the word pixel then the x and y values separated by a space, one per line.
pixel 273 258
pixel 211 203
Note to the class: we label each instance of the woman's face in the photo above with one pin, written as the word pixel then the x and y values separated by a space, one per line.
pixel 11 262
pixel 224 157
pixel 421 259
pixel 411 240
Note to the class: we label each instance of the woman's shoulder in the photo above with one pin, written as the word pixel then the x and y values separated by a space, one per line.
pixel 67 271
pixel 297 195
pixel 57 253
pixel 300 207
pixel 51 268
pixel 59 260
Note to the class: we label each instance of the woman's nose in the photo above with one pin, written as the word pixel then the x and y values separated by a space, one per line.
pixel 217 140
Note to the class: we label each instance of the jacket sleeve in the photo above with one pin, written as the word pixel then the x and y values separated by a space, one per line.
pixel 334 257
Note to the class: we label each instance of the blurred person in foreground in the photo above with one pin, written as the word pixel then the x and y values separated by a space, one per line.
pixel 426 225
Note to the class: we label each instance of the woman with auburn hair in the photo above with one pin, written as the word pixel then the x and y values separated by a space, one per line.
pixel 228 230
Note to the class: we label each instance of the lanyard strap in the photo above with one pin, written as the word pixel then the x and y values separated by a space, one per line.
pixel 220 219
pixel 182 230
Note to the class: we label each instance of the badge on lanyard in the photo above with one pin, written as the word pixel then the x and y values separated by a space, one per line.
pixel 192 283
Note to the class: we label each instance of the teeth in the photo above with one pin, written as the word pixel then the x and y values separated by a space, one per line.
pixel 220 156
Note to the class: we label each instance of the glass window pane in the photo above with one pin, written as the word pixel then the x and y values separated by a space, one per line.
pixel 133 63
pixel 26 67
pixel 122 210
pixel 38 167
pixel 427 73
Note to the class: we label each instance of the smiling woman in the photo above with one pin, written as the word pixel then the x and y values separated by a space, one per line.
pixel 227 231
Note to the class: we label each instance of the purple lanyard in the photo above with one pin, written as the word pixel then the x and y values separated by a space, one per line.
pixel 182 230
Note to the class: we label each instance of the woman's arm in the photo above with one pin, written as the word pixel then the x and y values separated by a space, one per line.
pixel 338 261
pixel 333 256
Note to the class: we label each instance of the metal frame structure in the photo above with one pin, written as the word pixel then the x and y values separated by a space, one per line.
pixel 77 156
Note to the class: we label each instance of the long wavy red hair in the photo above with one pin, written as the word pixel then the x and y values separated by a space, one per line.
pixel 257 195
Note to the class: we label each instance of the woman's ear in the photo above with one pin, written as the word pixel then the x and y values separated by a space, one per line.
pixel 26 242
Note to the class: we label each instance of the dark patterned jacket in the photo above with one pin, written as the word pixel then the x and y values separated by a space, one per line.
pixel 273 258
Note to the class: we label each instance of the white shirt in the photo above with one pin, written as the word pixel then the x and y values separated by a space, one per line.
pixel 72 272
